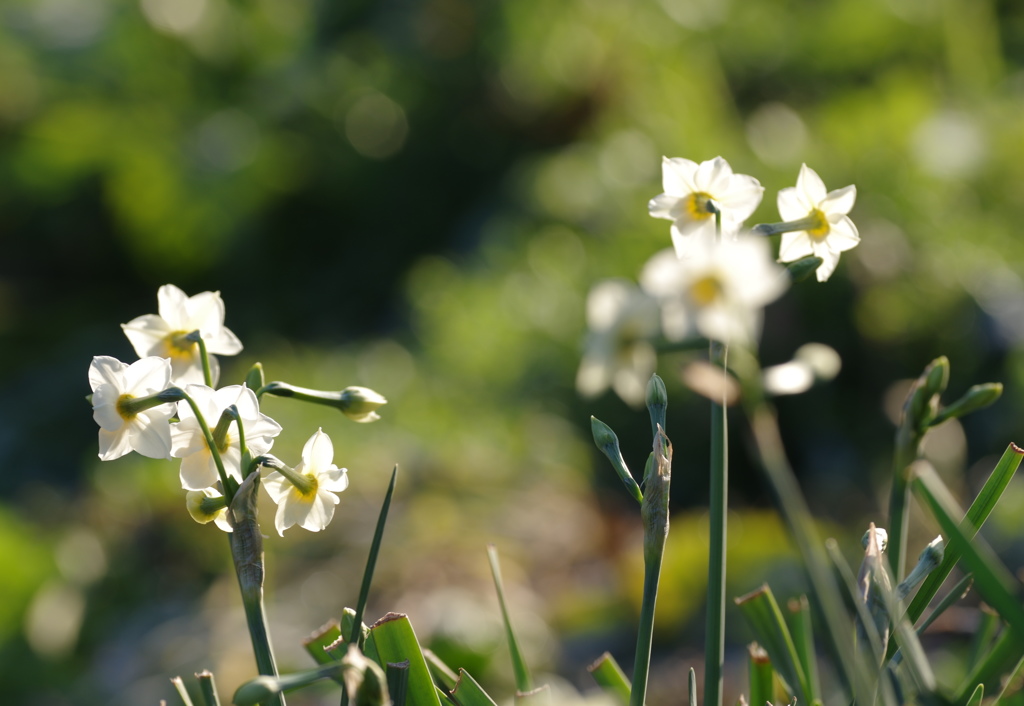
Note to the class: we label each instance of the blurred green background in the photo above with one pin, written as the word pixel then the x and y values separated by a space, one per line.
pixel 416 197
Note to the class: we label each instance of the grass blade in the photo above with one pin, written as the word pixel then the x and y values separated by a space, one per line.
pixel 207 688
pixel 979 511
pixel 371 559
pixel 802 630
pixel 467 692
pixel 397 674
pixel 442 673
pixel 610 677
pixel 179 686
pixel 762 676
pixel 524 682
pixel 762 612
pixel 395 641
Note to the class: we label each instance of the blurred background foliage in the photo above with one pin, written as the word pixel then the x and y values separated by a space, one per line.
pixel 416 197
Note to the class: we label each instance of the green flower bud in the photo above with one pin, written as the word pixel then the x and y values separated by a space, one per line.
pixel 923 400
pixel 360 404
pixel 657 402
pixel 928 561
pixel 608 444
pixel 256 691
pixel 254 378
pixel 978 397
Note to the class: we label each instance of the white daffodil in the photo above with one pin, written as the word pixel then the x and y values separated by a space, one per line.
pixel 164 334
pixel 208 505
pixel 198 469
pixel 621 320
pixel 693 192
pixel 127 406
pixel 826 229
pixel 306 495
pixel 718 291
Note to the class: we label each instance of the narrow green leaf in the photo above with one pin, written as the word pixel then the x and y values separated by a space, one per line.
pixel 207 688
pixel 321 638
pixel 989 623
pixel 395 641
pixel 997 660
pixel 468 692
pixel 442 673
pixel 761 674
pixel 610 677
pixel 762 612
pixel 397 674
pixel 541 696
pixel 979 511
pixel 1012 683
pixel 994 582
pixel 802 630
pixel 179 686
pixel 691 684
pixel 958 592
pixel 977 696
pixel 524 682
pixel 371 560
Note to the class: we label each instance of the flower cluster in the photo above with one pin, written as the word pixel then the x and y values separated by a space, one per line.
pixel 166 405
pixel 717 278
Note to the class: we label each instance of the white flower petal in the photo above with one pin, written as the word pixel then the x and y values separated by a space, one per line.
pixel 793 204
pixel 146 334
pixel 713 176
pixel 277 486
pixel 741 199
pixel 148 376
pixel 321 512
pixel 318 452
pixel 695 236
pixel 677 176
pixel 794 246
pixel 664 206
pixel 334 480
pixel 114 444
pixel 840 200
pixel 843 235
pixel 198 471
pixel 150 435
pixel 826 268
pixel 171 303
pixel 105 370
pixel 290 511
pixel 811 184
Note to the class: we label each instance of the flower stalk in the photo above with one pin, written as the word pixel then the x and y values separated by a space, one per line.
pixel 654 513
pixel 247 553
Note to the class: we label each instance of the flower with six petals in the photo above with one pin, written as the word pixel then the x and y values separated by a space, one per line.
pixel 826 229
pixel 306 495
pixel 165 334
pixel 693 192
pixel 127 421
pixel 198 469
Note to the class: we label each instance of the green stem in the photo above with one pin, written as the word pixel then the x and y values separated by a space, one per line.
pixel 654 512
pixel 205 358
pixel 714 641
pixel 247 551
pixel 908 448
pixel 228 483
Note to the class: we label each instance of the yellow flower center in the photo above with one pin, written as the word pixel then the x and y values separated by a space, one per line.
pixel 705 290
pixel 696 206
pixel 820 227
pixel 309 492
pixel 124 409
pixel 177 347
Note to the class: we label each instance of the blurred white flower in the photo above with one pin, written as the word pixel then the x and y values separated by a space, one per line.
pixel 208 505
pixel 128 423
pixel 306 495
pixel 164 334
pixel 827 230
pixel 717 291
pixel 812 362
pixel 621 319
pixel 693 191
pixel 198 470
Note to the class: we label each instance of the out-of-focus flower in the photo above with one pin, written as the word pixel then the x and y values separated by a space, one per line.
pixel 198 470
pixel 306 495
pixel 165 334
pixel 812 362
pixel 692 194
pixel 718 291
pixel 826 230
pixel 208 505
pixel 127 405
pixel 360 403
pixel 621 320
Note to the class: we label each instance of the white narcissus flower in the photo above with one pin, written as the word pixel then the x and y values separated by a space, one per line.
pixel 198 469
pixel 163 334
pixel 621 320
pixel 208 505
pixel 308 500
pixel 828 230
pixel 718 291
pixel 689 187
pixel 125 428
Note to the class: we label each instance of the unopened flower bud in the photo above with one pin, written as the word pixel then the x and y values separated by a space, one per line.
pixel 608 444
pixel 206 506
pixel 929 559
pixel 978 397
pixel 881 536
pixel 803 268
pixel 360 404
pixel 657 402
pixel 922 403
